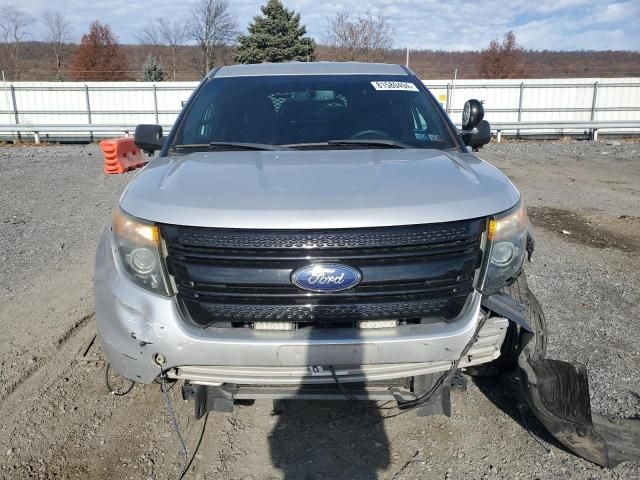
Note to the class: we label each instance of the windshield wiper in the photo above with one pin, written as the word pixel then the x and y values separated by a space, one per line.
pixel 229 146
pixel 373 143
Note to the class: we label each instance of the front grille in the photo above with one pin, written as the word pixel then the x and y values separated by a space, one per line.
pixel 233 277
pixel 357 238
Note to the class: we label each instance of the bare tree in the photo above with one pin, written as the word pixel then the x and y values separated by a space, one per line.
pixel 164 32
pixel 173 35
pixel 58 33
pixel 502 60
pixel 366 38
pixel 213 28
pixel 149 35
pixel 13 30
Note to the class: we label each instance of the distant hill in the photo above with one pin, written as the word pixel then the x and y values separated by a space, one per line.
pixel 37 62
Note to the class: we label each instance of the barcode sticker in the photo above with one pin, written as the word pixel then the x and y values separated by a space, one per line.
pixel 399 86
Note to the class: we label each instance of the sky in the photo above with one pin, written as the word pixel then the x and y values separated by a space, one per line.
pixel 418 24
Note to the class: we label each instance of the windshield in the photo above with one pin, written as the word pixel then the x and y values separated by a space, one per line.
pixel 316 111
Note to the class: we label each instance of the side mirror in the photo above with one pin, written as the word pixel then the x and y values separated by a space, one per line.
pixel 148 138
pixel 479 136
pixel 472 114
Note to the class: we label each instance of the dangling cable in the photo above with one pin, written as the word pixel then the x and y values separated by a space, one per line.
pixel 112 390
pixel 424 398
pixel 173 422
pixel 343 390
pixel 523 415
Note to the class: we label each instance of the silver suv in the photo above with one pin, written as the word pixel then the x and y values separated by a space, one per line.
pixel 317 231
pixel 306 223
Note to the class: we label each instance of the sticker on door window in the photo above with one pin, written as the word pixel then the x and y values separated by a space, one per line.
pixel 399 86
pixel 428 137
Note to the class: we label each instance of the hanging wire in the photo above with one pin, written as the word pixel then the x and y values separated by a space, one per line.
pixel 113 391
pixel 173 422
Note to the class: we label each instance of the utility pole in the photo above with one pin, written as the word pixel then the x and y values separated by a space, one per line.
pixel 407 56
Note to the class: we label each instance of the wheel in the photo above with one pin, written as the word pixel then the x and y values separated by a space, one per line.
pixel 513 341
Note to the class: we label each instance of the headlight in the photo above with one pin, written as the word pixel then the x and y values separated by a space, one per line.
pixel 507 242
pixel 138 246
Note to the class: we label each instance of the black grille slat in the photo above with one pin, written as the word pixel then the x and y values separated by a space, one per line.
pixel 221 294
pixel 263 274
pixel 364 257
pixel 228 277
pixel 325 313
pixel 322 239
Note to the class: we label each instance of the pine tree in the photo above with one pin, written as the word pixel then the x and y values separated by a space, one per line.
pixel 153 71
pixel 275 36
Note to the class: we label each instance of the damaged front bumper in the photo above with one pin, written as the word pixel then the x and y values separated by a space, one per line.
pixel 557 392
pixel 136 326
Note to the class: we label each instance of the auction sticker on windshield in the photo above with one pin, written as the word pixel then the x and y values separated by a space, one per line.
pixel 389 85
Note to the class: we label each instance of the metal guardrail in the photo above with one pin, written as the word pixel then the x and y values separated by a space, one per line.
pixel 499 128
pixel 85 105
pixel 38 130
pixel 591 110
pixel 34 109
pixel 459 85
pixel 45 128
pixel 591 127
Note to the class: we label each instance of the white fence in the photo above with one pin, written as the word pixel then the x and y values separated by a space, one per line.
pixel 506 101
pixel 545 100
pixel 75 103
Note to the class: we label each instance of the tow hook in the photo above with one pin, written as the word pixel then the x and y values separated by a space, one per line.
pixel 159 359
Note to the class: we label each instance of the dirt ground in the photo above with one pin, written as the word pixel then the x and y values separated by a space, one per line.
pixel 59 421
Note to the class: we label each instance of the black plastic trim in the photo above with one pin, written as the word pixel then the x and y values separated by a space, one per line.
pixel 408 272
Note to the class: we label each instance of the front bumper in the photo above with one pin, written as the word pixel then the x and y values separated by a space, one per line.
pixel 135 325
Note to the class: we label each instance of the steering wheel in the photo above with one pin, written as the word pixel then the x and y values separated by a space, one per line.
pixel 371 134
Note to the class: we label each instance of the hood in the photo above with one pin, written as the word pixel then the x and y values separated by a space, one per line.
pixel 317 189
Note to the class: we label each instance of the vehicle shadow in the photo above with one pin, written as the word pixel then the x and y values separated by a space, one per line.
pixel 330 439
pixel 504 392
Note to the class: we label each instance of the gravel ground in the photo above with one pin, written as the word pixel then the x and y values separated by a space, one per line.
pixel 59 421
pixel 54 202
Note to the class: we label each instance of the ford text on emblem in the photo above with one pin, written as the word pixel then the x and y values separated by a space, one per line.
pixel 326 277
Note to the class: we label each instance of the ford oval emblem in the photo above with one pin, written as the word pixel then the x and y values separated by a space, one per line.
pixel 326 277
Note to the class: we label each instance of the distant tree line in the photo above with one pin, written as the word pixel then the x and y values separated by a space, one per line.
pixel 209 36
pixel 189 47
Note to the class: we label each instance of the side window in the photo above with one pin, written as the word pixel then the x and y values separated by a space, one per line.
pixel 422 123
pixel 204 127
pixel 427 128
pixel 199 123
pixel 418 119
